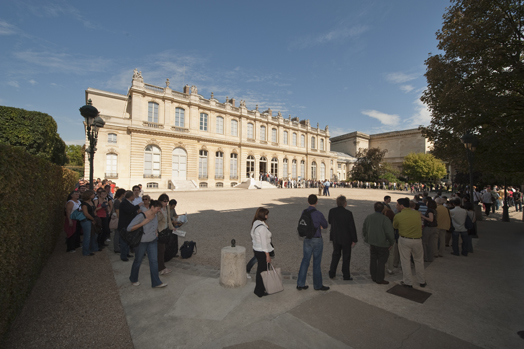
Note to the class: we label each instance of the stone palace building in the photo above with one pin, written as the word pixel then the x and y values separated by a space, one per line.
pixel 167 139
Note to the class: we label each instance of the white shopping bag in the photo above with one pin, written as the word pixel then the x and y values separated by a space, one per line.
pixel 179 233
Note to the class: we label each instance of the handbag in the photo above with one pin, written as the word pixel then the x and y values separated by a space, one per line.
pixel 113 223
pixel 188 249
pixel 272 279
pixel 132 238
pixel 78 215
pixel 164 236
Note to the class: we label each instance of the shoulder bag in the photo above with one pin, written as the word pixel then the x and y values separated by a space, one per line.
pixel 132 238
pixel 272 279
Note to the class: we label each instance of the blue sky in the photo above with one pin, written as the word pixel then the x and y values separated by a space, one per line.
pixel 352 65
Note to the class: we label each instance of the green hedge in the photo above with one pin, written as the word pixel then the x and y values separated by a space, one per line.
pixel 32 193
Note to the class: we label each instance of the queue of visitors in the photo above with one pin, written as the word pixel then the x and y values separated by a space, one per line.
pixel 92 215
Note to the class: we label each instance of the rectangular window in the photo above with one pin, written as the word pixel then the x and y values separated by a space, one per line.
pixel 111 164
pixel 179 117
pixel 220 125
pixel 303 169
pixel 203 122
pixel 233 166
pixel 274 135
pixel 250 131
pixel 322 146
pixel 152 112
pixel 111 138
pixel 202 164
pixel 313 142
pixel 219 165
pixel 302 141
pixel 294 139
pixel 263 133
pixel 285 137
pixel 234 128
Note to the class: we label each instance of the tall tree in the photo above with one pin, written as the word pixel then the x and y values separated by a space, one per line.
pixel 477 85
pixel 75 155
pixel 422 167
pixel 34 131
pixel 367 168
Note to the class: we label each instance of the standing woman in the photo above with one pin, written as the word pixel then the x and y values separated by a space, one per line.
pixel 148 244
pixel 119 196
pixel 103 207
pixel 73 204
pixel 262 247
pixel 164 223
pixel 89 244
pixel 146 199
pixel 430 232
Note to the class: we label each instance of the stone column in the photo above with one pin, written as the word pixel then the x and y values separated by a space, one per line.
pixel 233 267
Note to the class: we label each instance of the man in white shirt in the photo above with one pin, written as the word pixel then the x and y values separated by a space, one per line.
pixel 136 192
pixel 458 217
pixel 487 200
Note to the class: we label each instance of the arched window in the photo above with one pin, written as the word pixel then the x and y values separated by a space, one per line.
pixel 234 128
pixel 219 165
pixel 294 169
pixel 285 172
pixel 313 170
pixel 274 135
pixel 313 142
pixel 202 164
pixel 250 134
pixel 111 138
pixel 179 117
pixel 250 166
pixel 322 171
pixel 331 174
pixel 111 166
pixel 203 121
pixel 274 167
pixel 286 134
pixel 303 169
pixel 233 166
pixel 322 144
pixel 220 125
pixel 294 139
pixel 152 112
pixel 302 141
pixel 262 133
pixel 152 155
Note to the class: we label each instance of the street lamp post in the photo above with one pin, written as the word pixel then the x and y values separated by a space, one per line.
pixel 470 143
pixel 93 123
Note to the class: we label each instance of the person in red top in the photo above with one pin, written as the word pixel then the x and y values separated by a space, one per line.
pixel 113 185
pixel 103 207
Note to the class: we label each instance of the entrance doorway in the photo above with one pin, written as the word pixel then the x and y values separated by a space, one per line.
pixel 263 165
pixel 179 164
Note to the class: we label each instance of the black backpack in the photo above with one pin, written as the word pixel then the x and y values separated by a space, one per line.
pixel 187 249
pixel 306 228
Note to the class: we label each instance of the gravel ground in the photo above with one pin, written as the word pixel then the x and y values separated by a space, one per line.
pixel 217 216
pixel 74 304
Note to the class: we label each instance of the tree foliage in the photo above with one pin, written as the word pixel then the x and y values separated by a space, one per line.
pixel 368 166
pixel 422 167
pixel 75 155
pixel 477 85
pixel 390 173
pixel 33 131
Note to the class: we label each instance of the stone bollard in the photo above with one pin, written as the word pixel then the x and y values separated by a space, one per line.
pixel 233 267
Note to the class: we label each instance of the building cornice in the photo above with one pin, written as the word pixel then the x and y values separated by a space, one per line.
pixel 105 94
pixel 414 131
pixel 349 136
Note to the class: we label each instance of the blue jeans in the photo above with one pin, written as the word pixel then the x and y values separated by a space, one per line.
pixel 124 248
pixel 89 243
pixel 152 254
pixel 313 247
pixel 465 242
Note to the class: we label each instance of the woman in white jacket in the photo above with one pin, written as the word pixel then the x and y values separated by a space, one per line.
pixel 261 237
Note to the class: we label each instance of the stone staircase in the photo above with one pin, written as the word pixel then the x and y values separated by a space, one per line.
pixel 183 185
pixel 264 185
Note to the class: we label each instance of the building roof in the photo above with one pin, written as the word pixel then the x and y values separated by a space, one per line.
pixel 343 156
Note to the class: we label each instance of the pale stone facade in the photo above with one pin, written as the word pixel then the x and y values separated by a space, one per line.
pixel 164 139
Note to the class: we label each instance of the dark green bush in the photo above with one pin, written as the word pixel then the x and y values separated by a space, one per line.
pixel 33 193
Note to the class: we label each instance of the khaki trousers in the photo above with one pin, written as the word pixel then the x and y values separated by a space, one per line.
pixel 394 257
pixel 407 248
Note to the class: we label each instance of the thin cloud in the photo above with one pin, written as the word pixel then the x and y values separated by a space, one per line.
pixel 421 116
pixel 400 78
pixel 385 119
pixel 75 142
pixel 407 88
pixel 58 9
pixel 335 35
pixel 63 62
pixel 7 29
pixel 32 82
pixel 13 84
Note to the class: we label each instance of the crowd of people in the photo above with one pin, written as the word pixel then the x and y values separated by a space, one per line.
pixel 93 217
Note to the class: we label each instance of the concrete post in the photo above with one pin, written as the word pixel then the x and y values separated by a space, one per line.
pixel 233 267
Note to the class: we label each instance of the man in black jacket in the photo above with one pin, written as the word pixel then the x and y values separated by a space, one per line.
pixel 343 234
pixel 126 213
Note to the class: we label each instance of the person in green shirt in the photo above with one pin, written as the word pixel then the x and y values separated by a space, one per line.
pixel 409 226
pixel 378 233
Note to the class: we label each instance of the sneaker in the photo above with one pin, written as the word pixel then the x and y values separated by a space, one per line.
pixel 161 285
pixel 390 272
pixel 424 284
pixel 323 288
pixel 165 271
pixel 248 276
pixel 71 251
pixel 136 283
pixel 107 240
pixel 406 285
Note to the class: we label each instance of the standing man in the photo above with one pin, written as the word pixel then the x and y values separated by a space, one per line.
pixel 127 212
pixel 409 226
pixel 378 233
pixel 458 218
pixel 343 234
pixel 387 200
pixel 487 199
pixel 443 224
pixel 326 188
pixel 137 192
pixel 313 247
